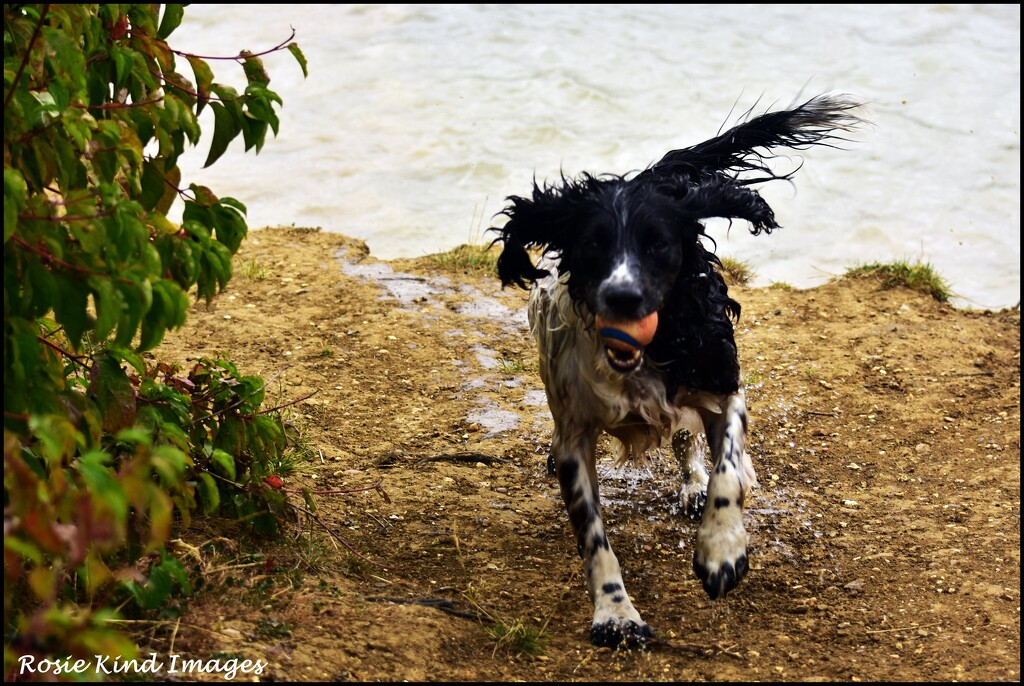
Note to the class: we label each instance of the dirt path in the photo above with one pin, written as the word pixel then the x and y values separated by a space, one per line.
pixel 885 532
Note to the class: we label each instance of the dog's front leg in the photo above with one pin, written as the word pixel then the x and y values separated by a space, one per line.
pixel 615 618
pixel 720 554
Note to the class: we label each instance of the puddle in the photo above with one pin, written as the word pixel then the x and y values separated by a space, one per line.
pixel 495 421
pixel 413 292
pixel 407 289
pixel 537 398
pixel 485 357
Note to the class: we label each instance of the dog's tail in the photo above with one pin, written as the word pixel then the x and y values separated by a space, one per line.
pixel 746 147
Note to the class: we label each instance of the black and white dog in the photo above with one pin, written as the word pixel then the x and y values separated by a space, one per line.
pixel 634 326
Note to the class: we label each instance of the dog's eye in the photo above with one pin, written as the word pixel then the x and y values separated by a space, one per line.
pixel 658 247
pixel 594 244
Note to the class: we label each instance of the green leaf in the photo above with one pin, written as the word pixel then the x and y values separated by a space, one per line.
pixel 134 295
pixel 113 392
pixel 209 492
pixel 310 501
pixel 171 20
pixel 230 225
pixel 108 306
pixel 153 185
pixel 204 80
pixel 135 434
pixel 160 317
pixel 95 468
pixel 15 193
pixel 177 571
pixel 123 61
pixel 231 435
pixel 130 356
pixel 39 288
pixel 225 129
pixel 224 462
pixel 253 68
pixel 70 307
pixel 25 549
pixel 170 463
pixel 296 52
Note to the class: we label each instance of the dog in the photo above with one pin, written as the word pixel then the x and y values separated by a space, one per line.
pixel 634 327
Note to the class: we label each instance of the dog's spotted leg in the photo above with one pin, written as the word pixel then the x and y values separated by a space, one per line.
pixel 720 554
pixel 693 492
pixel 615 619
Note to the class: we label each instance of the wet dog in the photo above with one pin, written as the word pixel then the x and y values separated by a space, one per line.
pixel 634 326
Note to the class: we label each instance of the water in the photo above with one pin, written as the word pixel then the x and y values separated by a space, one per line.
pixel 417 121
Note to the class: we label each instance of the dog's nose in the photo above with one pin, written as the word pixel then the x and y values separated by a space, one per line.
pixel 623 300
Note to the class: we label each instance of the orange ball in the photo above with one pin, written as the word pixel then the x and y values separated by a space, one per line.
pixel 628 334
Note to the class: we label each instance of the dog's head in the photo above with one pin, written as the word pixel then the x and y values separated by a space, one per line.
pixel 623 244
pixel 620 242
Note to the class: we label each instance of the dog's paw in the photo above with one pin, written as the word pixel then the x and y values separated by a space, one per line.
pixel 692 498
pixel 720 557
pixel 616 621
pixel 617 631
pixel 719 578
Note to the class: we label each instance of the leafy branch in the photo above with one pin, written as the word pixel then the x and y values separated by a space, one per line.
pixel 106 453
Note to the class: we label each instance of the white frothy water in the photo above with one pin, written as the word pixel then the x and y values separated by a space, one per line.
pixel 417 121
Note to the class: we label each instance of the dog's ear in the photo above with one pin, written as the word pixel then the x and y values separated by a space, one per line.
pixel 723 197
pixel 519 233
pixel 540 221
pixel 822 120
pixel 515 265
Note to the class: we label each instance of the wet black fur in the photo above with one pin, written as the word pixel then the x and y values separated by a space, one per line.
pixel 657 214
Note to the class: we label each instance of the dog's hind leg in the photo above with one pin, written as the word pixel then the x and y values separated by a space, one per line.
pixel 720 553
pixel 689 452
pixel 615 619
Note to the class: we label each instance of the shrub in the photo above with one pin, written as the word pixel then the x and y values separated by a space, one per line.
pixel 105 452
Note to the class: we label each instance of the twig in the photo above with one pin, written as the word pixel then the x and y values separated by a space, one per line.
pixel 336 536
pixel 62 351
pixel 339 491
pixel 464 456
pixel 165 621
pixel 698 648
pixel 121 105
pixel 382 523
pixel 239 56
pixel 51 259
pixel 289 404
pixel 442 604
pixel 902 628
pixel 230 567
pixel 174 635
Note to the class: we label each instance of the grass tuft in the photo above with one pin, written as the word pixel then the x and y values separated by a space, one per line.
pixel 251 269
pixel 469 257
pixel 736 271
pixel 919 276
pixel 519 637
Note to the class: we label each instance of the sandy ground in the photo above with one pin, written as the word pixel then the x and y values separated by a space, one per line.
pixel 885 534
